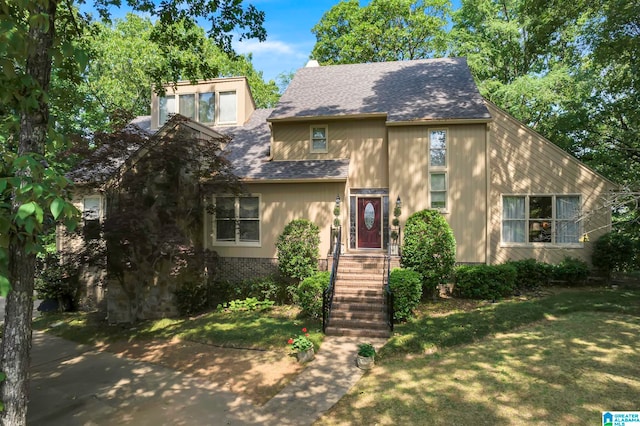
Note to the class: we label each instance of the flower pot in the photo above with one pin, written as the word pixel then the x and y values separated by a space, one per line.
pixel 305 356
pixel 365 362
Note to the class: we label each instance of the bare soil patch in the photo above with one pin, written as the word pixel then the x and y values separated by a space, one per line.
pixel 255 374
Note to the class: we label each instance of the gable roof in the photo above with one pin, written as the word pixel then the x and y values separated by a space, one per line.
pixel 427 89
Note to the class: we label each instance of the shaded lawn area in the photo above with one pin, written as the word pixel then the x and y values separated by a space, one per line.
pixel 264 330
pixel 558 360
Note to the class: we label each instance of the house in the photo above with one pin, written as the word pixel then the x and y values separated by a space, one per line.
pixel 368 136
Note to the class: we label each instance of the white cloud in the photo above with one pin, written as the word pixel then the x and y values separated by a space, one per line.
pixel 268 48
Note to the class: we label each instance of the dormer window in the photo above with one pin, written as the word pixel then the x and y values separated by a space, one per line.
pixel 200 107
pixel 319 139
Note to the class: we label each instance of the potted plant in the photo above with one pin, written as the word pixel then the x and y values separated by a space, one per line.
pixel 302 346
pixel 366 356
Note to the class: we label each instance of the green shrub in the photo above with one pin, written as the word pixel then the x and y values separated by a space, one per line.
pixel 309 293
pixel 531 274
pixel 247 305
pixel 298 249
pixel 429 248
pixel 58 282
pixel 572 270
pixel 192 297
pixel 614 252
pixel 270 288
pixel 490 282
pixel 406 285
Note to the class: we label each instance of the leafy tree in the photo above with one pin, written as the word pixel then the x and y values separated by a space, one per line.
pixel 37 38
pixel 298 249
pixel 383 30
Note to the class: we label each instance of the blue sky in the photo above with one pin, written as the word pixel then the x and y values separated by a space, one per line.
pixel 289 38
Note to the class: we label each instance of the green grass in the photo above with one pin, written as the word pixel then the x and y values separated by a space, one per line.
pixel 267 330
pixel 558 360
pixel 427 333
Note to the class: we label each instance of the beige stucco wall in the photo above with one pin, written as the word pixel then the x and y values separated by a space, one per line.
pixel 280 204
pixel 523 162
pixel 466 176
pixel 363 142
pixel 245 104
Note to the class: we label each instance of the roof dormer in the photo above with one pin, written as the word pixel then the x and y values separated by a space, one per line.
pixel 218 102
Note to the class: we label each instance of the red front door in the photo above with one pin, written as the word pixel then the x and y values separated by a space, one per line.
pixel 369 226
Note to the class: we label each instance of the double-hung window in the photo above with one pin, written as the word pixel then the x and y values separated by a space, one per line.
pixel 237 220
pixel 438 169
pixel 319 140
pixel 550 219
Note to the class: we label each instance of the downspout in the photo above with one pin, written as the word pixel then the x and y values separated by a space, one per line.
pixel 487 242
pixel 270 157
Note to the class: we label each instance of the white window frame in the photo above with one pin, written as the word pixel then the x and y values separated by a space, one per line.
pixel 219 96
pixel 196 97
pixel 326 139
pixel 237 242
pixel 439 170
pixel 553 222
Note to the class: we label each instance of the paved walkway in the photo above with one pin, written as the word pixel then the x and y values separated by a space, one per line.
pixel 75 385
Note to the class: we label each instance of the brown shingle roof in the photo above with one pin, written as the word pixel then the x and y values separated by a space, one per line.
pixel 428 89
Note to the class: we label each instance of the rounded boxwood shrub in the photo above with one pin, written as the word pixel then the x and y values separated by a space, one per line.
pixel 309 293
pixel 429 248
pixel 573 271
pixel 531 274
pixel 489 282
pixel 406 285
pixel 298 249
pixel 614 252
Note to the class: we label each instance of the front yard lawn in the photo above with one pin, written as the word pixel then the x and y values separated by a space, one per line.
pixel 561 359
pixel 265 330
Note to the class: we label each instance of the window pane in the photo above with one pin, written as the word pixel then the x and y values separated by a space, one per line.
pixel 438 148
pixel 567 232
pixel 225 230
pixel 513 231
pixel 539 231
pixel 513 208
pixel 206 107
pixel 540 208
pixel 188 105
pixel 228 107
pixel 567 208
pixel 438 182
pixel 167 107
pixel 91 210
pixel 225 208
pixel 249 231
pixel 438 200
pixel 249 208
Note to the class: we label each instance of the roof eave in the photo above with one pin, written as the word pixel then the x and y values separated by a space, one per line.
pixel 439 121
pixel 327 117
pixel 296 180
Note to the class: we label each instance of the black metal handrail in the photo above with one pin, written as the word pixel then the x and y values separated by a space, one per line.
pixel 327 295
pixel 387 288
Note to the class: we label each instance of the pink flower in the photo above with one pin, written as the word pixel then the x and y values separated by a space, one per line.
pixel 290 341
pixel 307 334
pixel 304 330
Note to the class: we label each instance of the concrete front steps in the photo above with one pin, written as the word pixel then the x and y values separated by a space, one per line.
pixel 358 303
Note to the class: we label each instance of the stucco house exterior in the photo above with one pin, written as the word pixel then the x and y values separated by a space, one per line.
pixel 370 135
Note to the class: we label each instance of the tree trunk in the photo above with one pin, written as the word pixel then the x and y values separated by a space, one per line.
pixel 34 124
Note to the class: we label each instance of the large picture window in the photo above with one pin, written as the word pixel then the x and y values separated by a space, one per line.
pixel 200 107
pixel 550 219
pixel 237 220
